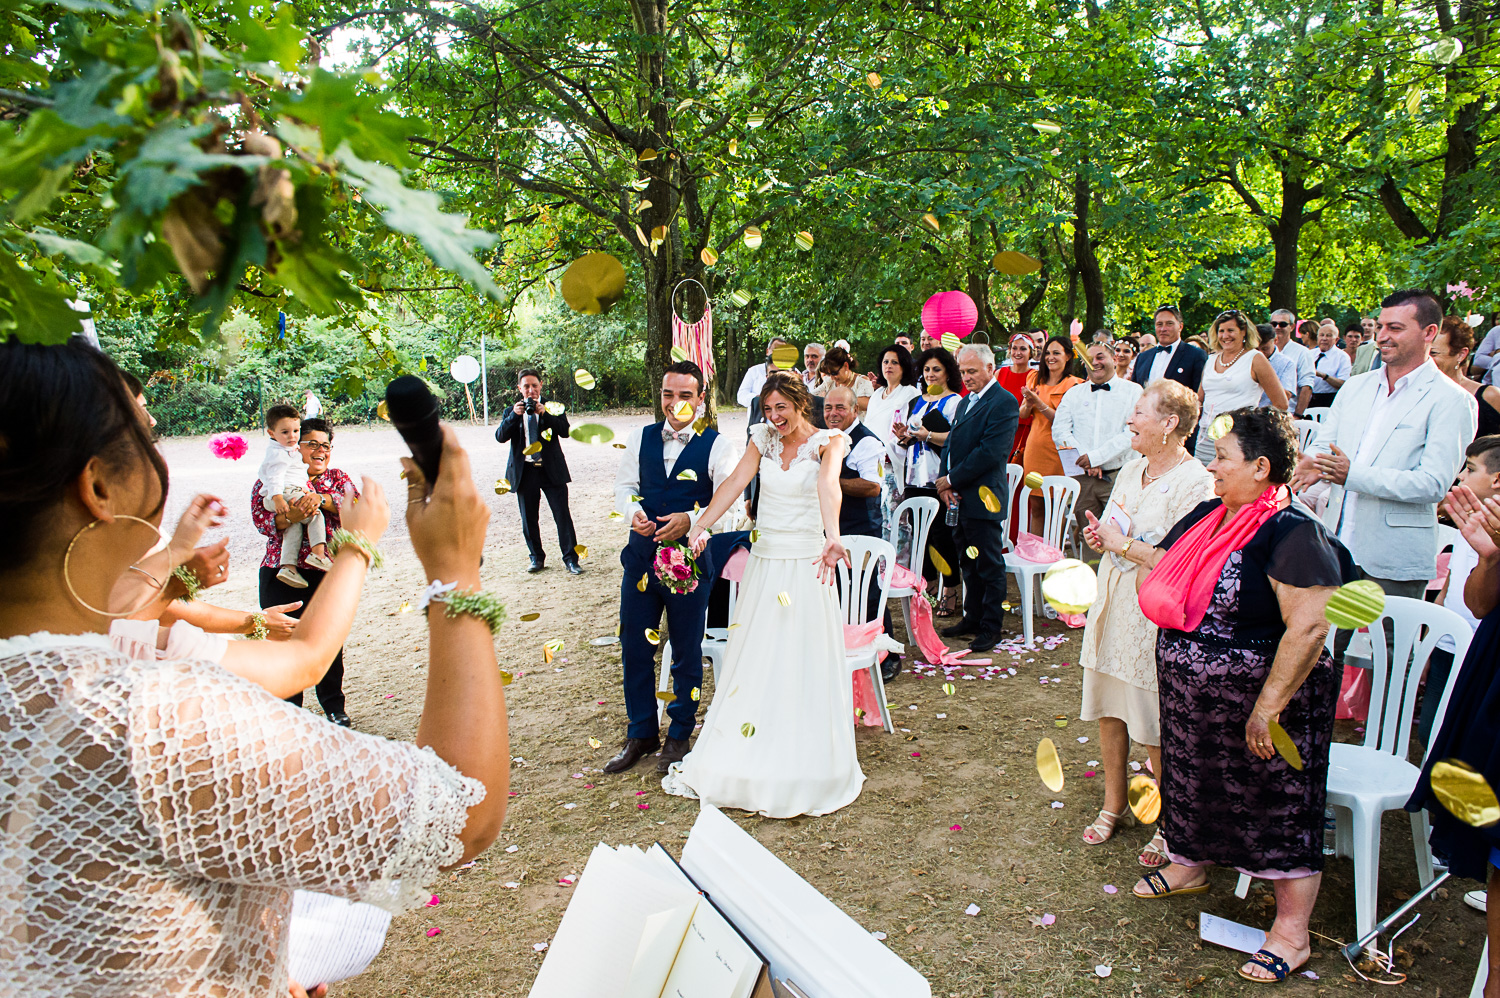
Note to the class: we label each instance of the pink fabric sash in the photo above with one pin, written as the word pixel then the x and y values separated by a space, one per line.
pixel 1177 592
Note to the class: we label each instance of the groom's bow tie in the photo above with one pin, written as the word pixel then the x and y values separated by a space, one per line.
pixel 1099 388
pixel 682 436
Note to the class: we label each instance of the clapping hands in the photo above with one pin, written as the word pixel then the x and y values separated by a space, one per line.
pixel 1478 520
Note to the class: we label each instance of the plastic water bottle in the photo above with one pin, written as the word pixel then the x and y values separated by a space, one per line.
pixel 951 517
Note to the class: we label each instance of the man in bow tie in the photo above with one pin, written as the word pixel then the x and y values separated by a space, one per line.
pixel 669 471
pixel 1089 430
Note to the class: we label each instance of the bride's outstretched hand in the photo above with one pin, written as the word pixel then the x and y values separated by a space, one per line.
pixel 697 540
pixel 833 553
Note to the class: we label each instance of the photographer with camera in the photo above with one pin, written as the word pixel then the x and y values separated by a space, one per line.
pixel 542 471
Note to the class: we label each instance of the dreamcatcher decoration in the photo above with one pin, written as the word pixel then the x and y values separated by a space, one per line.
pixel 694 341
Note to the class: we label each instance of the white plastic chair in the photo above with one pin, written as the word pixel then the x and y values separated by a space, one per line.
pixel 1059 495
pixel 1014 474
pixel 1305 429
pixel 1317 413
pixel 715 646
pixel 1365 781
pixel 873 560
pixel 922 510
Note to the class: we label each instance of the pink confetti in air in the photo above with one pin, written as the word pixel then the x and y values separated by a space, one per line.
pixel 228 446
pixel 955 828
pixel 916 755
pixel 644 807
pixel 434 932
pixel 434 901
pixel 1111 889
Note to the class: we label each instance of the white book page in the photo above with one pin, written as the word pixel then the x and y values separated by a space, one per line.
pixel 1115 513
pixel 661 939
pixel 331 939
pixel 714 962
pixel 1069 457
pixel 1223 932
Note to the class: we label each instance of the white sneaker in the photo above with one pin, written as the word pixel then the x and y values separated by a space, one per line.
pixel 320 562
pixel 291 577
pixel 1478 900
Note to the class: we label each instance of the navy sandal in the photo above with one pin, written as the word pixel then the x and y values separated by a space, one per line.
pixel 1269 961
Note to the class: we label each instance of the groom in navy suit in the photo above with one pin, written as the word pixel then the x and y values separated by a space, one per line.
pixel 667 474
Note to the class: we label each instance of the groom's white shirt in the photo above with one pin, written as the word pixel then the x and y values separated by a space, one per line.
pixel 722 458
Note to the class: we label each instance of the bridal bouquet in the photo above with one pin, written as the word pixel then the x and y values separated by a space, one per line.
pixel 676 568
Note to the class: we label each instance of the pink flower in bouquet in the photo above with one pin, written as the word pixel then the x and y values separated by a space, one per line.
pixel 230 446
pixel 682 571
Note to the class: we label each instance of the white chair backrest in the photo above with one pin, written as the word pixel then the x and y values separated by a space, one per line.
pixel 1448 537
pixel 1317 413
pixel 1305 430
pixel 922 510
pixel 1059 494
pixel 873 560
pixel 1393 693
pixel 1014 473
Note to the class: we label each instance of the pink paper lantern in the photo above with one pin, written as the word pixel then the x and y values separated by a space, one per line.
pixel 950 312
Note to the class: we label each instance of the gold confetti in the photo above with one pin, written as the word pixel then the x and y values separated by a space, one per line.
pixel 740 297
pixel 641 585
pixel 592 434
pixel 1070 586
pixel 532 448
pixel 635 498
pixel 618 446
pixel 752 238
pixel 502 487
pixel 646 156
pixel 1059 724
pixel 643 206
pixel 615 514
pixel 687 475
pixel 785 356
pixel 551 649
pixel 747 729
pixel 1358 604
pixel 1220 426
pixel 859 712
pixel 583 378
pixel 696 693
pixel 1464 792
pixel 594 742
pixel 765 186
pixel 873 79
pixel 1033 481
pixel 1285 747
pixel 971 552
pixel 1047 127
pixel 547 433
pixel 581 550
pixel 990 500
pixel 754 536
pixel 678 355
pixel 555 408
pixel 1145 799
pixel 506 678
pixel 938 561
pixel 948 688
pixel 653 636
pixel 935 389
pixel 1048 765
pixel 734 147
pixel 932 221
pixel 684 411
pixel 1014 264
pixel 383 411
pixel 406 607
pixel 755 120
pixel 708 256
pixel 527 617
pixel 950 342
pixel 732 626
pixel 783 599
pixel 804 240
pixel 666 696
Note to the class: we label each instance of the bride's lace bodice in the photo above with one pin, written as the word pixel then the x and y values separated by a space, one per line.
pixel 789 497
pixel 157 816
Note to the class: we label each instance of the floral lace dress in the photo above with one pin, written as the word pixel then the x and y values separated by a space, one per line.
pixel 1220 803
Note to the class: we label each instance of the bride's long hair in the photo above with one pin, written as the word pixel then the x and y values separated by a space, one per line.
pixel 791 388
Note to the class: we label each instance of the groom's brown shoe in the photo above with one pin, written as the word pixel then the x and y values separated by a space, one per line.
pixel 672 751
pixel 632 752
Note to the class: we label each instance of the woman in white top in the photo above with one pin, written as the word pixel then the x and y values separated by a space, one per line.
pixel 1235 377
pixel 162 812
pixel 895 387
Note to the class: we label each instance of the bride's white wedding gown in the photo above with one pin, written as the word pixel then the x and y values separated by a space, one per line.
pixel 778 738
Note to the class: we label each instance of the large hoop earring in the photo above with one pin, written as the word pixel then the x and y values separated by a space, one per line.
pixel 159 584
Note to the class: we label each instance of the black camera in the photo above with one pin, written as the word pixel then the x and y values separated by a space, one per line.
pixel 532 405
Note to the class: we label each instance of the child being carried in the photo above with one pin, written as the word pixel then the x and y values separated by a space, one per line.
pixel 283 481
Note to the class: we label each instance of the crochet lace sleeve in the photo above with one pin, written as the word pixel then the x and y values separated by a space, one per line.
pixel 241 787
pixel 766 440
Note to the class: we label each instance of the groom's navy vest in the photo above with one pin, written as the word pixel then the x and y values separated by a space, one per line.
pixel 856 515
pixel 662 493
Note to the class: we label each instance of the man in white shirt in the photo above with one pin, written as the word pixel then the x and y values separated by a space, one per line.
pixel 667 474
pixel 1486 355
pixel 1390 446
pixel 755 378
pixel 812 359
pixel 1331 368
pixel 1284 366
pixel 1283 321
pixel 1089 428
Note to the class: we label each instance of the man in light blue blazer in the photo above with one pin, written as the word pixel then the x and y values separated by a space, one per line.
pixel 1390 447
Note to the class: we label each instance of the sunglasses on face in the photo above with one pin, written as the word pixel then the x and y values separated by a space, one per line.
pixel 1283 325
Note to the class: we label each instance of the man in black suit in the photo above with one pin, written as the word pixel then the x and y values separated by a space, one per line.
pixel 1172 358
pixel 537 467
pixel 979 444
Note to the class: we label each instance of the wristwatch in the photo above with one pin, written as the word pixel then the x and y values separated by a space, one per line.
pixel 1125 551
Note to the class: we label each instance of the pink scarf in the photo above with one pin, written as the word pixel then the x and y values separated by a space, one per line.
pixel 1177 592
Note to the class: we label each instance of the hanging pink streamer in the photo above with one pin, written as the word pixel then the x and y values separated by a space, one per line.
pixel 696 339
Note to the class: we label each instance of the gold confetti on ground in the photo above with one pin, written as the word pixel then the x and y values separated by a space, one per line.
pixel 594 742
pixel 530 616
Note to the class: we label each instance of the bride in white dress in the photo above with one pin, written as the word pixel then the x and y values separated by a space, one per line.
pixel 778 738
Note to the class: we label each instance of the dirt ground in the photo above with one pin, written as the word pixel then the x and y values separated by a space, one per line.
pixel 952 813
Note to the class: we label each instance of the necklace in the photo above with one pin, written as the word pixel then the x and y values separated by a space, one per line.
pixel 1149 478
pixel 1227 364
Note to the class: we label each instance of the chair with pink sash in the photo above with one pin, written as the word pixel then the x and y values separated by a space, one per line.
pixel 873 560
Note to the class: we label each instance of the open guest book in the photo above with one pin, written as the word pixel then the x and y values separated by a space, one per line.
pixel 730 921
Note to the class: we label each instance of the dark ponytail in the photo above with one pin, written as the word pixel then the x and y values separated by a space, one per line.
pixel 60 407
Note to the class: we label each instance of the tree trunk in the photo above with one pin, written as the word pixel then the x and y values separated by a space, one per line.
pixel 658 325
pixel 1086 261
pixel 1286 231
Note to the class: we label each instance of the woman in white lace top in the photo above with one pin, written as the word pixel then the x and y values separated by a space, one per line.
pixel 160 813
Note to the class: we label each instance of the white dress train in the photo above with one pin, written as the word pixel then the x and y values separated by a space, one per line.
pixel 778 738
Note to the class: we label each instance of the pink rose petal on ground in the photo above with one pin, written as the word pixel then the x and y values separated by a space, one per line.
pixel 434 901
pixel 916 755
pixel 640 793
pixel 955 828
pixel 434 932
pixel 1111 889
pixel 644 807
pixel 1088 772
pixel 1309 975
pixel 588 786
pixel 1048 919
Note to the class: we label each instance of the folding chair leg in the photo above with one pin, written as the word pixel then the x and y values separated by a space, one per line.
pixel 878 682
pixel 1027 627
pixel 1366 871
pixel 1482 974
pixel 1419 833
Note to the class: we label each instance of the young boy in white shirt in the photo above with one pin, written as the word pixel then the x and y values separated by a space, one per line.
pixel 283 480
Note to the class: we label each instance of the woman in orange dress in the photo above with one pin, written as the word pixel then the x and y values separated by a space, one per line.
pixel 1044 389
pixel 1012 377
